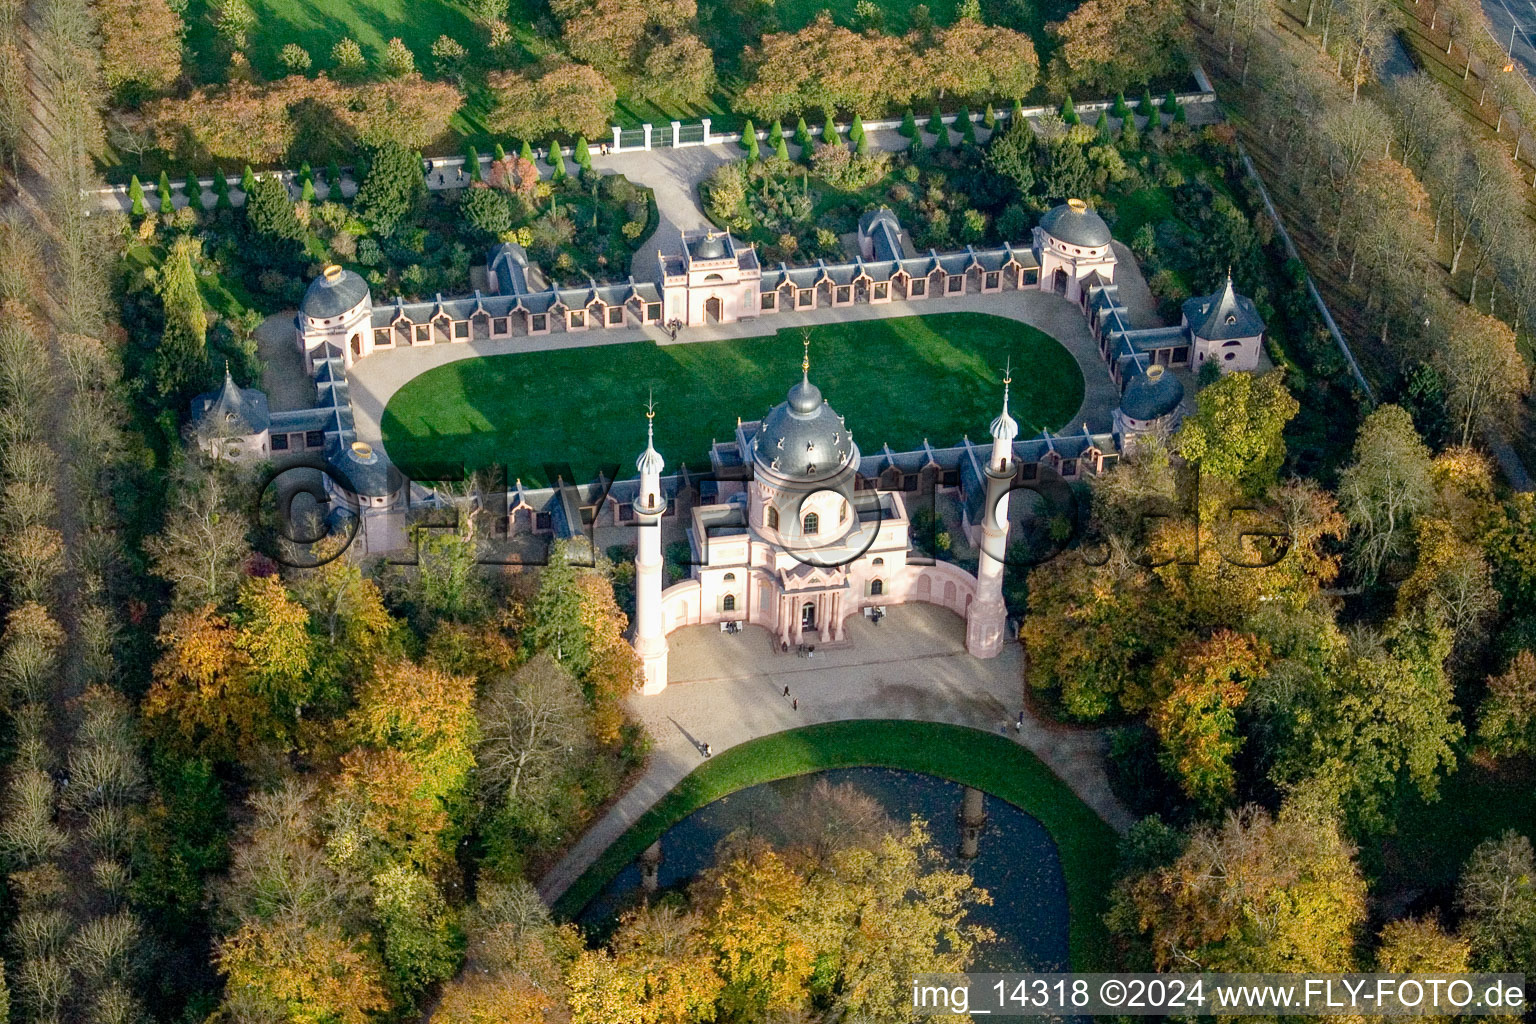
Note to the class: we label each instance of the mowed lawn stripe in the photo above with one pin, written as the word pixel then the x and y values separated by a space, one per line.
pixel 896 382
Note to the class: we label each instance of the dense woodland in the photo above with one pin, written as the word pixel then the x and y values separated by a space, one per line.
pixel 237 792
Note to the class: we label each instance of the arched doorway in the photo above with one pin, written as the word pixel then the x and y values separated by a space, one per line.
pixel 808 616
pixel 1059 281
pixel 357 346
pixel 713 309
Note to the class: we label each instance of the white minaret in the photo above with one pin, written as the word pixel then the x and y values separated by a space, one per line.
pixel 650 504
pixel 988 615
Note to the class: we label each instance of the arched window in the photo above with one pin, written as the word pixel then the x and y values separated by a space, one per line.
pixel 773 518
pixel 842 514
pixel 878 561
pixel 730 577
pixel 729 604
pixel 812 523
pixel 876 587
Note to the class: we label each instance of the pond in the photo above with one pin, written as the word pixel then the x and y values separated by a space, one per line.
pixel 1016 858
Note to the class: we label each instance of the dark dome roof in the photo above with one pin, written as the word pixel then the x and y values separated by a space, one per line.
pixel 804 437
pixel 333 293
pixel 710 247
pixel 1072 222
pixel 1151 395
pixel 366 471
pixel 231 411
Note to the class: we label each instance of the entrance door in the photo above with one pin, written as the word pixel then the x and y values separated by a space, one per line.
pixel 808 615
pixel 1060 281
pixel 712 309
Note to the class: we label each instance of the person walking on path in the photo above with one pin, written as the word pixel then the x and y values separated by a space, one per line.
pixel 707 751
pixel 795 704
pixel 786 689
pixel 1018 726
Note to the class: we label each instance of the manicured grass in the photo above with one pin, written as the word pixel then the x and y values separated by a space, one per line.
pixel 896 381
pixel 318 25
pixel 994 764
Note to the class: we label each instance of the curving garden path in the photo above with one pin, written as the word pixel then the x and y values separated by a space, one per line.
pixel 728 689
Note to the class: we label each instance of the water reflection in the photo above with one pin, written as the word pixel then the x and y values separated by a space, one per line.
pixel 1009 853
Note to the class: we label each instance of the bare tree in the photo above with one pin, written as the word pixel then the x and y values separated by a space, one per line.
pixel 533 726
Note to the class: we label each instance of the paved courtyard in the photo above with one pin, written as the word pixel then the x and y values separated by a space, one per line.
pixel 726 689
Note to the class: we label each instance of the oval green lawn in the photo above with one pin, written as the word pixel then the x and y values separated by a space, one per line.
pixel 898 382
pixel 995 764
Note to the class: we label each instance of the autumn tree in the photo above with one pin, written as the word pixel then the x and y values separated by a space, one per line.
pixel 555 96
pixel 658 969
pixel 1108 45
pixel 680 70
pixel 302 971
pixel 1486 372
pixel 1418 945
pixel 1237 431
pixel 1385 486
pixel 1253 893
pixel 978 62
pixel 1361 718
pixel 1497 896
pixel 827 66
pixel 1507 716
pixel 140 47
pixel 515 958
pixel 1201 685
pixel 202 546
pixel 202 699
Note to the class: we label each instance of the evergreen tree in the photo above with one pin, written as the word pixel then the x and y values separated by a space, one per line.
pixel 1121 108
pixel 1102 126
pixel 829 129
pixel 1018 114
pixel 936 127
pixel 803 139
pixel 862 146
pixel 194 187
pixel 555 625
pixel 181 358
pixel 1069 112
pixel 333 181
pixel 307 190
pixel 967 127
pixel 136 196
pixel 1130 138
pixel 472 164
pixel 989 119
pixel 775 134
pixel 909 125
pixel 581 154
pixel 1180 112
pixel 527 152
pixel 167 204
pixel 781 150
pixel 749 142
pixel 556 161
pixel 269 211
pixel 498 154
pixel 247 180
pixel 393 189
pixel 221 190
pixel 856 130
pixel 1149 110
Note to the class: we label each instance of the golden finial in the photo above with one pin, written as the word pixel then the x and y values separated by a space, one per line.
pixel 650 404
pixel 805 360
